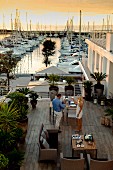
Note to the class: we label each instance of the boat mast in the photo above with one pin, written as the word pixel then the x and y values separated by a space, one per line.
pixel 11 23
pixel 27 24
pixel 79 34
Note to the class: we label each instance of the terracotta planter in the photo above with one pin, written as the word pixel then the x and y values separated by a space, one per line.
pixel 23 124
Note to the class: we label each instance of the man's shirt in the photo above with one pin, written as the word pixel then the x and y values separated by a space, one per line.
pixel 57 105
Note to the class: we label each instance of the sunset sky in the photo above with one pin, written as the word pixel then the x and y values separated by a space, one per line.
pixel 56 12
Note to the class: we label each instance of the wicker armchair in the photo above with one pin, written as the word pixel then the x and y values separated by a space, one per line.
pixel 99 164
pixel 47 154
pixel 51 152
pixel 72 163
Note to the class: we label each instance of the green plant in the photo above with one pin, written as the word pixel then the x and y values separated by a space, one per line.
pixel 109 112
pixel 69 80
pixel 15 159
pixel 98 76
pixel 87 84
pixel 33 95
pixel 23 90
pixel 3 161
pixel 52 79
pixel 20 101
pixel 7 141
pixel 8 116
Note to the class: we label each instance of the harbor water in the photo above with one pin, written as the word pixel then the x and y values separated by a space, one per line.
pixel 32 62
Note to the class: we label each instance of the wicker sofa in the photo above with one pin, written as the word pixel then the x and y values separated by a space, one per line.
pixel 48 151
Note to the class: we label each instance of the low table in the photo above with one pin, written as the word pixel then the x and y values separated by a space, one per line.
pixel 87 149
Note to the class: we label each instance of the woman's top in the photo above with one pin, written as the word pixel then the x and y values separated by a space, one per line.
pixel 77 111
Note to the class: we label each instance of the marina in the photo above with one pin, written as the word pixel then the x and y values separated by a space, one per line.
pixel 56 85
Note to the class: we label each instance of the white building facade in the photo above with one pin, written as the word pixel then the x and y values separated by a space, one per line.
pixel 100 59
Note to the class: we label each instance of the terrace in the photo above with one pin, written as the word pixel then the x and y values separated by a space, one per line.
pixel 91 124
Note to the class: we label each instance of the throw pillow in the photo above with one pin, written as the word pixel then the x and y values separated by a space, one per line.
pixel 45 144
pixel 47 134
pixel 43 134
pixel 41 139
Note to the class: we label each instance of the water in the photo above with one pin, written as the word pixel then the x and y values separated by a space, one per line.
pixel 33 62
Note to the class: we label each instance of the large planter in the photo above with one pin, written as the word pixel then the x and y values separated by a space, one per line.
pixel 53 91
pixel 33 103
pixel 69 90
pixel 99 89
pixel 23 124
pixel 87 94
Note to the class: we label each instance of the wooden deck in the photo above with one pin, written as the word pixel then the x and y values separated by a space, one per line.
pixel 91 124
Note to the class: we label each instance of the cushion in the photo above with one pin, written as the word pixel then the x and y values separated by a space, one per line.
pixel 41 139
pixel 41 142
pixel 43 134
pixel 47 134
pixel 45 144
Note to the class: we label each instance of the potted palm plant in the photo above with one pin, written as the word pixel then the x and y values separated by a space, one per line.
pixel 33 95
pixel 3 162
pixel 53 89
pixel 10 135
pixel 98 88
pixel 21 102
pixel 23 90
pixel 109 117
pixel 69 89
pixel 88 89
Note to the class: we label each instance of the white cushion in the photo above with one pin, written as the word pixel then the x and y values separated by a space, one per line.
pixel 41 139
pixel 43 134
pixel 47 134
pixel 45 144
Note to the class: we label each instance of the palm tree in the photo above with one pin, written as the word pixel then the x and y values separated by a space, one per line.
pixel 98 76
pixel 24 90
pixel 7 63
pixel 53 89
pixel 48 50
pixel 98 88
pixel 52 79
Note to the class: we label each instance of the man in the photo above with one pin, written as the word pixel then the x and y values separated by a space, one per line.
pixel 58 106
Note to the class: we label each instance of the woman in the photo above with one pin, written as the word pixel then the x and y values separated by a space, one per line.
pixel 79 112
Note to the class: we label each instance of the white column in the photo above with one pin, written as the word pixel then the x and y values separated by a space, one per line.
pixel 100 63
pixel 90 59
pixel 95 61
pixel 104 65
pixel 107 78
pixel 89 56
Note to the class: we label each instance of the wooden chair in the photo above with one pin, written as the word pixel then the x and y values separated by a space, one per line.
pixel 99 164
pixel 70 163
